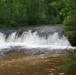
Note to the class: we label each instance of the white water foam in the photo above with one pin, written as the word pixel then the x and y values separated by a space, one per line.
pixel 31 40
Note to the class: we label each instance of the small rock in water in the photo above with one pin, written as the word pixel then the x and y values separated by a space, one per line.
pixel 18 72
pixel 51 74
pixel 61 73
pixel 52 69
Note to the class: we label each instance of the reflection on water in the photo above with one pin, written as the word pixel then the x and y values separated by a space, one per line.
pixel 19 63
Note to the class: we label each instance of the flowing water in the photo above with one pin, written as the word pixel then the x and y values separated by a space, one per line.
pixel 34 40
pixel 27 51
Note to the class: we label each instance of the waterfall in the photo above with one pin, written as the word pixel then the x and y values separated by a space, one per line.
pixel 39 38
pixel 34 39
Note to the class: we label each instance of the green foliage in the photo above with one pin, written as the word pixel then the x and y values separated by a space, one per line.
pixel 15 13
pixel 54 7
pixel 35 12
pixel 70 61
pixel 68 24
pixel 68 11
pixel 22 12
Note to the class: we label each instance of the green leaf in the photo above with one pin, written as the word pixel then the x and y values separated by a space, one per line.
pixel 53 3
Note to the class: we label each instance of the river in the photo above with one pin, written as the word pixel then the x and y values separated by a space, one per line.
pixel 33 50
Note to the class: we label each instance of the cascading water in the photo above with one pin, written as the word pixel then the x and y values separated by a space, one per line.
pixel 48 38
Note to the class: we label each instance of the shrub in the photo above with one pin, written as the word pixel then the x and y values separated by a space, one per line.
pixel 70 61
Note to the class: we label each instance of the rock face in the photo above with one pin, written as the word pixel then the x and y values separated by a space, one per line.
pixel 72 37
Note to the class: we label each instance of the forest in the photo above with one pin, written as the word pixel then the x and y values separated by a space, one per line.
pixel 20 13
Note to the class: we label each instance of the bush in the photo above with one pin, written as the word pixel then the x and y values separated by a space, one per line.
pixel 70 61
pixel 68 24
